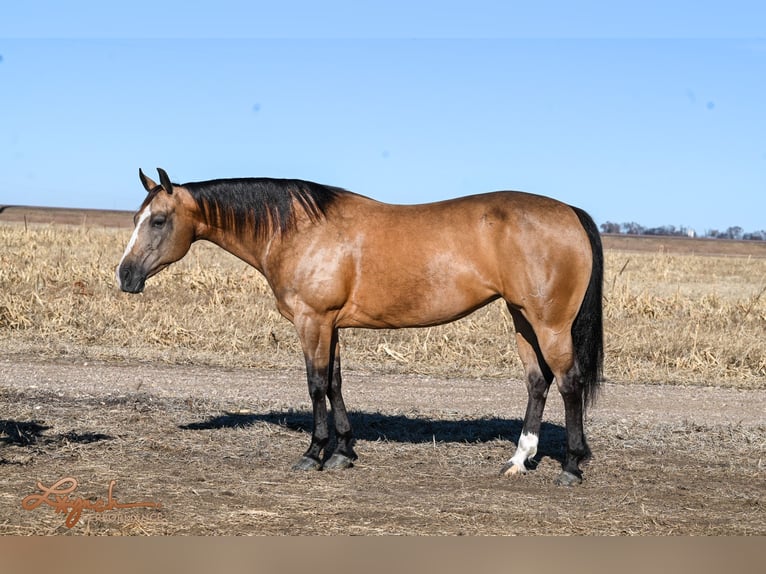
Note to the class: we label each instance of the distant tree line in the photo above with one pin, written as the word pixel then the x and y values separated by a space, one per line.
pixel 634 228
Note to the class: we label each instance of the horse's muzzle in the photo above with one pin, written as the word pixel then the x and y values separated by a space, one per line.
pixel 130 279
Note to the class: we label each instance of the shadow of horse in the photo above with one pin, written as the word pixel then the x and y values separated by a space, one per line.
pixel 31 433
pixel 21 433
pixel 403 429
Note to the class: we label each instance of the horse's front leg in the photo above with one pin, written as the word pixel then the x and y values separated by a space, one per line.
pixel 343 455
pixel 316 339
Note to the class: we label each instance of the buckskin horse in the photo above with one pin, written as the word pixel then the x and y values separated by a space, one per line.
pixel 336 259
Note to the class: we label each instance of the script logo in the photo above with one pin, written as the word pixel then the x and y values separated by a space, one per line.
pixel 57 497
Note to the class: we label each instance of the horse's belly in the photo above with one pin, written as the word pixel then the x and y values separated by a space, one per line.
pixel 394 306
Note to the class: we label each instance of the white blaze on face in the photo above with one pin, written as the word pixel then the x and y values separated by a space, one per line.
pixel 527 449
pixel 133 238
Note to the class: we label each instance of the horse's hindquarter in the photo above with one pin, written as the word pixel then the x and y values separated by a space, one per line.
pixel 410 266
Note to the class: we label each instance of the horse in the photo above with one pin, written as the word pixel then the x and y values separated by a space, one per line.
pixel 335 259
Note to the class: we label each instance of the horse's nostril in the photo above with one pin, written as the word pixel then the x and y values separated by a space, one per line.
pixel 124 275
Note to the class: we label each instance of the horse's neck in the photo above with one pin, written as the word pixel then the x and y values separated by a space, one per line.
pixel 252 251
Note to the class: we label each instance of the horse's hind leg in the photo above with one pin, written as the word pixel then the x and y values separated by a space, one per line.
pixel 557 347
pixel 577 447
pixel 538 380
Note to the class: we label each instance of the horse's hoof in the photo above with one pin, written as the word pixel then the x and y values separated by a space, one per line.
pixel 338 461
pixel 568 479
pixel 307 463
pixel 511 469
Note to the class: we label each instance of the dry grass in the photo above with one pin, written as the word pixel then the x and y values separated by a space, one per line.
pixel 671 318
pixel 686 319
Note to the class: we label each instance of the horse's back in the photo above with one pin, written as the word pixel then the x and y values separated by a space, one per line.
pixel 497 228
pixel 512 210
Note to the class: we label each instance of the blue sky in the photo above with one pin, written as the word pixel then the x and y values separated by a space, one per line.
pixel 653 113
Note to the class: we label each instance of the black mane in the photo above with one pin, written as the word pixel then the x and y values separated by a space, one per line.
pixel 264 205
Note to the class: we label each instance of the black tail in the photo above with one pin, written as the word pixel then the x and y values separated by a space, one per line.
pixel 588 329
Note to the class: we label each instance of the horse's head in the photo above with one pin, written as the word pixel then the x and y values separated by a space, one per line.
pixel 164 231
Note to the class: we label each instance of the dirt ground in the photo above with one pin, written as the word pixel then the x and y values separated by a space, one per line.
pixel 214 448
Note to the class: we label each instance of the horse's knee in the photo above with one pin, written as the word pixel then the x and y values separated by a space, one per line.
pixel 318 386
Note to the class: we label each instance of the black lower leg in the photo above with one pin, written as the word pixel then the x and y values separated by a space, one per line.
pixel 577 447
pixel 344 453
pixel 317 381
pixel 537 389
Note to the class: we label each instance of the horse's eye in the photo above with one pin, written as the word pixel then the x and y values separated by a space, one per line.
pixel 158 222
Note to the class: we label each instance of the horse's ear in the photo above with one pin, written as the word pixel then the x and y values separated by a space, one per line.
pixel 146 181
pixel 165 180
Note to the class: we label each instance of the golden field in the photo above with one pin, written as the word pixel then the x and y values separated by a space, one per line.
pixel 670 317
